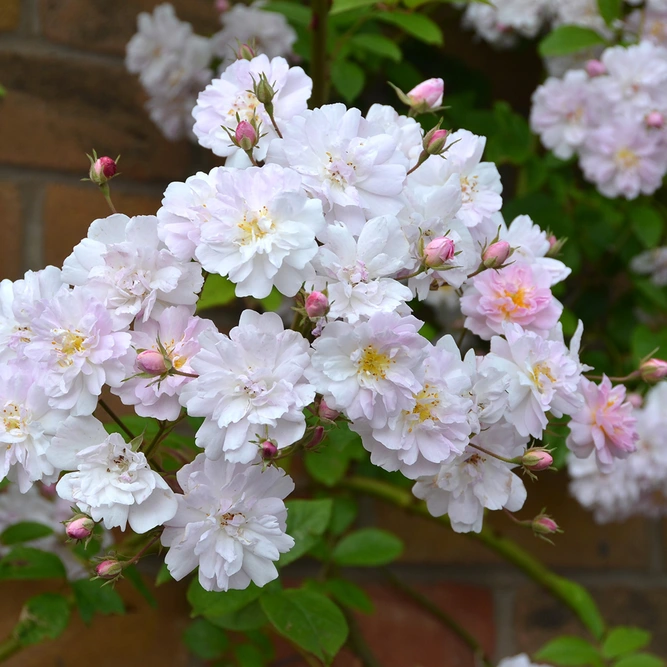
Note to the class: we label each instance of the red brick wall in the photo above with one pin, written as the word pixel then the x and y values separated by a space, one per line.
pixel 61 63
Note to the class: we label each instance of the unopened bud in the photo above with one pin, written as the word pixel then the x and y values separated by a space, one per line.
pixel 496 254
pixel 245 135
pixel 222 5
pixel 316 305
pixel 80 528
pixel 427 95
pixel 543 524
pixel 595 68
pixel 434 141
pixel 264 92
pixel 537 459
pixel 245 52
pixel 269 450
pixel 653 370
pixel 318 436
pixel 102 169
pixel 438 251
pixel 151 362
pixel 635 400
pixel 108 569
pixel 325 412
pixel 555 246
pixel 654 120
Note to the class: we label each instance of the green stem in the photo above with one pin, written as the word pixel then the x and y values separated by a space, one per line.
pixel 357 642
pixel 318 62
pixel 116 418
pixel 433 609
pixel 9 647
pixel 503 546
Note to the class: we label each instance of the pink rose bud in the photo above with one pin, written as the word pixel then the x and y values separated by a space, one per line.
pixel 595 68
pixel 496 254
pixel 545 525
pixel 439 251
pixel 102 169
pixel 316 305
pixel 635 400
pixel 427 95
pixel 151 362
pixel 537 459
pixel 108 569
pixel 325 412
pixel 318 436
pixel 80 528
pixel 434 141
pixel 653 370
pixel 269 450
pixel 655 120
pixel 222 5
pixel 245 52
pixel 245 135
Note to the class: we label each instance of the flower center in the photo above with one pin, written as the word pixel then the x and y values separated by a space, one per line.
pixel 519 299
pixel 627 159
pixel 68 344
pixel 427 399
pixel 13 419
pixel 245 105
pixel 255 226
pixel 541 369
pixel 339 172
pixel 468 188
pixel 373 363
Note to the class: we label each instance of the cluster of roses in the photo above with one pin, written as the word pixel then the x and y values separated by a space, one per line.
pixel 174 64
pixel 355 216
pixel 612 114
pixel 504 22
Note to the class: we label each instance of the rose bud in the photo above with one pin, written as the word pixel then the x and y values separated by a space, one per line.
pixel 496 254
pixel 325 412
pixel 151 362
pixel 545 525
pixel 269 450
pixel 245 135
pixel 80 528
pixel 653 370
pixel 595 68
pixel 102 170
pixel 427 95
pixel 537 459
pixel 434 141
pixel 438 251
pixel 245 52
pixel 318 436
pixel 316 305
pixel 654 120
pixel 222 6
pixel 108 569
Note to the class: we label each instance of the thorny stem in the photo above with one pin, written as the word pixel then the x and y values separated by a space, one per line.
pixel 162 433
pixel 495 456
pixel 632 376
pixel 501 545
pixel 9 647
pixel 318 62
pixel 116 418
pixel 427 604
pixel 275 125
pixel 142 551
pixel 173 371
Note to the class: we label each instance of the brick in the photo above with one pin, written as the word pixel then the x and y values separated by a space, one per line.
pixel 583 544
pixel 58 109
pixel 89 25
pixel 10 15
pixel 539 618
pixel 69 210
pixel 144 635
pixel 10 215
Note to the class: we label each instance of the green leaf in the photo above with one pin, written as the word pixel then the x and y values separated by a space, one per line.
pixel 92 596
pixel 417 25
pixel 640 660
pixel 652 292
pixel 296 14
pixel 306 522
pixel 569 652
pixel 329 463
pixel 250 617
pixel 340 6
pixel 25 531
pixel 134 577
pixel 43 617
pixel 348 78
pixel 204 640
pixel 208 603
pixel 368 547
pixel 163 576
pixel 218 291
pixel 378 45
pixel 28 563
pixel 344 513
pixel 308 619
pixel 249 655
pixel 582 603
pixel 349 595
pixel 623 640
pixel 568 39
pixel 610 10
pixel 273 301
pixel 646 224
pixel 511 139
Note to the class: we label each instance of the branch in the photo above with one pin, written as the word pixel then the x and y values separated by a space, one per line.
pixel 357 642
pixel 116 418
